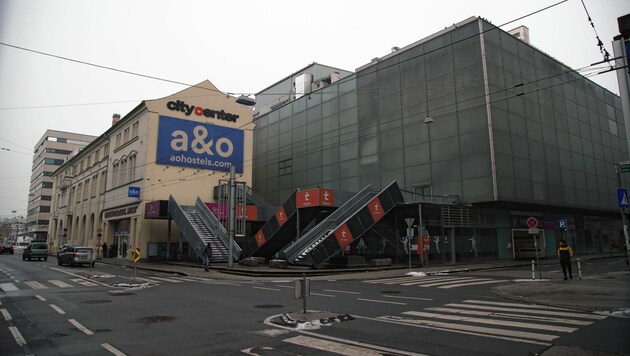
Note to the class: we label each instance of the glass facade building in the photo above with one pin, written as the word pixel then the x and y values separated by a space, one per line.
pixel 511 133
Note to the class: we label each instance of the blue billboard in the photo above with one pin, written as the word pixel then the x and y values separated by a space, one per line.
pixel 199 145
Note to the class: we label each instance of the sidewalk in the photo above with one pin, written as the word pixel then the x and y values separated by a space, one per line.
pixel 608 292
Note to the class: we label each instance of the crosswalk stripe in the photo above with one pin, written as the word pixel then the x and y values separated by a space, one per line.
pixel 8 287
pixel 167 279
pixel 436 280
pixel 35 285
pixel 442 283
pixel 84 282
pixel 60 284
pixel 508 304
pixel 199 278
pixel 185 279
pixel 472 328
pixel 529 311
pixel 330 346
pixel 511 316
pixel 148 280
pixel 473 283
pixel 492 322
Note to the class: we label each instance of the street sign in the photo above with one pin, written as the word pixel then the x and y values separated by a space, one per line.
pixel 133 192
pixel 532 222
pixel 563 224
pixel 534 231
pixel 622 198
pixel 136 255
pixel 624 166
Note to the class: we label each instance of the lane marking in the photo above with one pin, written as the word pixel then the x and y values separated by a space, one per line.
pixel 148 280
pixel 19 339
pixel 201 279
pixel 113 350
pixel 35 285
pixel 60 284
pixel 411 298
pixel 463 280
pixel 57 309
pixel 518 305
pixel 185 279
pixel 283 286
pixel 380 301
pixel 84 282
pixel 78 325
pixel 497 322
pixel 340 291
pixel 323 295
pixel 330 346
pixel 8 287
pixel 40 297
pixel 437 280
pixel 265 288
pixel 6 314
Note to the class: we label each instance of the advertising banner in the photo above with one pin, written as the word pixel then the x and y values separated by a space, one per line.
pixel 199 145
pixel 315 197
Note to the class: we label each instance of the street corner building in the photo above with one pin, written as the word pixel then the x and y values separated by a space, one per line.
pixel 467 145
pixel 115 190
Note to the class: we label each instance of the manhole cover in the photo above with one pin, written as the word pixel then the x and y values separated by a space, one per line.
pixel 268 306
pixel 155 319
pixel 99 301
pixel 119 293
pixel 390 292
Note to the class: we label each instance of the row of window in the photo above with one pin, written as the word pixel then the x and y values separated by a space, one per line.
pixel 127 134
pixel 124 170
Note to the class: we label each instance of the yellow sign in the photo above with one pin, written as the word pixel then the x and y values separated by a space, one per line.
pixel 136 255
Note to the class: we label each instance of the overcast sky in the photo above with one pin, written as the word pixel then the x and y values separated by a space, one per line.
pixel 240 46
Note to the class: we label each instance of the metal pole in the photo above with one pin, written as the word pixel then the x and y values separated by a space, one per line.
pixel 232 215
pixel 533 271
pixel 304 293
pixel 579 268
pixel 537 259
pixel 624 222
pixel 419 234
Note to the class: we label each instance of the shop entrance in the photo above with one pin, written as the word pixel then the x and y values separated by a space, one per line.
pixel 523 244
pixel 121 239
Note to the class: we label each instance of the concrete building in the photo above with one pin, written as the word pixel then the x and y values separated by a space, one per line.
pixel 51 151
pixel 180 145
pixel 485 135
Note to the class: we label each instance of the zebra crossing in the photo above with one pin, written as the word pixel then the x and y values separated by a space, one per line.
pixel 159 279
pixel 501 320
pixel 438 281
pixel 48 284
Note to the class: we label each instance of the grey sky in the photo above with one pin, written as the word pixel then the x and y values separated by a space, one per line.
pixel 241 47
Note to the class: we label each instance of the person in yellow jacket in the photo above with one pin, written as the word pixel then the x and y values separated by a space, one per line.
pixel 564 256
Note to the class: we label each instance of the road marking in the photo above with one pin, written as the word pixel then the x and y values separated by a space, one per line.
pixel 8 287
pixel 283 286
pixel 167 279
pixel 411 298
pixel 518 305
pixel 19 339
pixel 435 280
pixel 443 283
pixel 525 310
pixel 492 321
pixel 380 301
pixel 35 285
pixel 340 291
pixel 511 316
pixel 6 314
pixel 330 346
pixel 473 283
pixel 40 298
pixel 80 327
pixel 323 295
pixel 148 280
pixel 472 328
pixel 60 284
pixel 265 288
pixel 200 278
pixel 84 282
pixel 113 350
pixel 57 309
pixel 185 279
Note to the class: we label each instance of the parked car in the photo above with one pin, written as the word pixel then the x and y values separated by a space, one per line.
pixel 76 255
pixel 37 250
pixel 7 248
pixel 63 249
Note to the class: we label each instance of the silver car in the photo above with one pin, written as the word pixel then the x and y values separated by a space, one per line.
pixel 76 255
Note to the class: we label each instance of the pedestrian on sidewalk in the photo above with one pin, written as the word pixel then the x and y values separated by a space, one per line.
pixel 207 254
pixel 564 256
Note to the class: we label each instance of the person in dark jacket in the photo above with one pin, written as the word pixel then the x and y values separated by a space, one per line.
pixel 564 256
pixel 207 254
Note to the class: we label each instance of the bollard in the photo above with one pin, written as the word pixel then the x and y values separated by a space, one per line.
pixel 533 271
pixel 579 269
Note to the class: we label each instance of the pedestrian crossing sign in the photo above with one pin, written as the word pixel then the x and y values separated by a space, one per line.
pixel 622 197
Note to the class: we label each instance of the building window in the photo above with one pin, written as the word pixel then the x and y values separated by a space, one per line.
pixel 132 167
pixel 118 140
pixel 103 181
pixel 97 156
pixel 116 167
pixel 47 185
pixel 86 186
pixel 123 171
pixel 126 135
pixel 285 167
pixel 94 185
pixel 134 129
pixel 422 193
pixel 79 191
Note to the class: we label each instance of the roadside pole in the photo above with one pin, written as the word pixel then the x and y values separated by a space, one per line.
pixel 623 167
